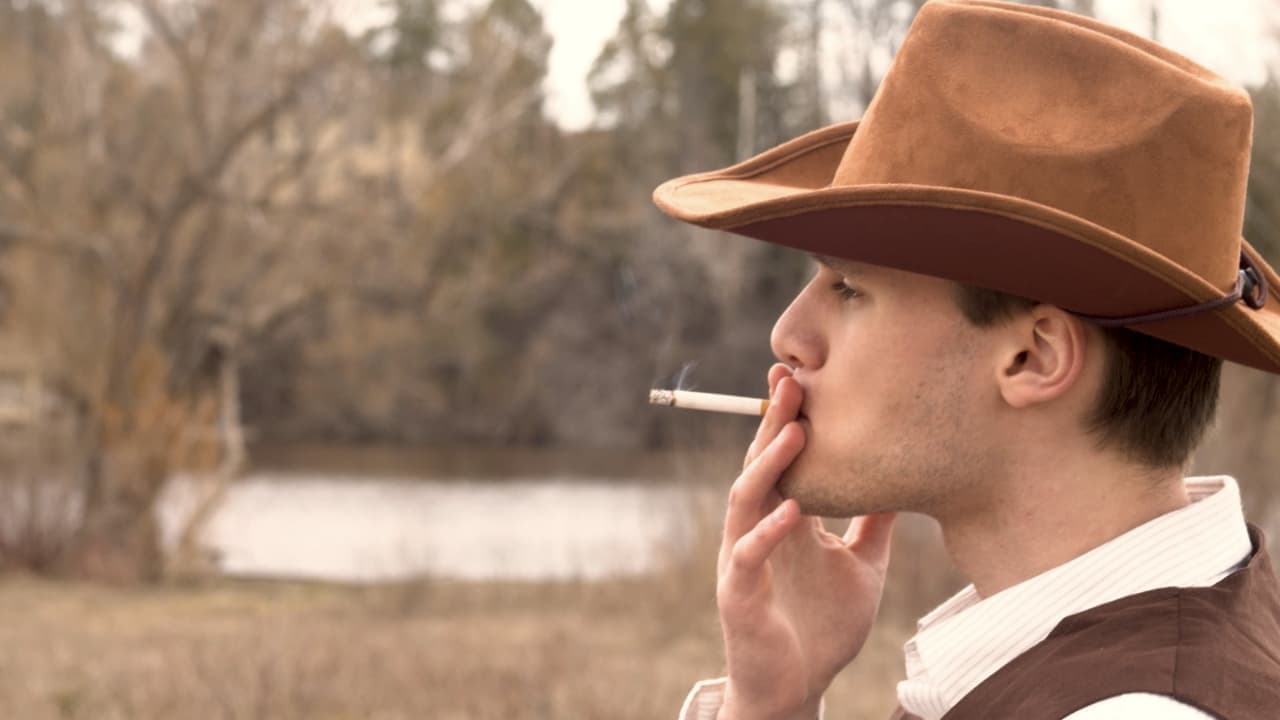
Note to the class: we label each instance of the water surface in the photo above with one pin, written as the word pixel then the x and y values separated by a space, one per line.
pixel 590 520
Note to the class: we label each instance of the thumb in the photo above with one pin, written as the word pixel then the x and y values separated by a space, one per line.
pixel 870 536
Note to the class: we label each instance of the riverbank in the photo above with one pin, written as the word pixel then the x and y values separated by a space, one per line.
pixel 466 650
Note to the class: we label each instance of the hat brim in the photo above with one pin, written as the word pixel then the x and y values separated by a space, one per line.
pixel 978 238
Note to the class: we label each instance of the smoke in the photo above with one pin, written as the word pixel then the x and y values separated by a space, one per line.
pixel 683 379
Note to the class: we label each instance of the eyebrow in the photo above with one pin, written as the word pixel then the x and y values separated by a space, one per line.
pixel 836 264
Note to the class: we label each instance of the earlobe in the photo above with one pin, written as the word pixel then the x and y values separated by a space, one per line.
pixel 1045 358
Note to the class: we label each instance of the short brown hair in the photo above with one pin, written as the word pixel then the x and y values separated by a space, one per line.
pixel 1157 399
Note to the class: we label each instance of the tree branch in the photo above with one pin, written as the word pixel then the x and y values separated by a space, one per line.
pixel 192 74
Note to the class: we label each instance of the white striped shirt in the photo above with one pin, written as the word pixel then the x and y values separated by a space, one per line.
pixel 967 638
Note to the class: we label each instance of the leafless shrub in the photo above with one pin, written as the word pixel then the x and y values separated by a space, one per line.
pixel 40 498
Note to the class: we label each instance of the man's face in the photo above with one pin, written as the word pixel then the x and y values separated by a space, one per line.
pixel 897 393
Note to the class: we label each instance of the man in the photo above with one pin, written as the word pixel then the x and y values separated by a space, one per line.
pixel 1030 271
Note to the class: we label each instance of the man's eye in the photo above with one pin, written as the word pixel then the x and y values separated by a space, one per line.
pixel 843 290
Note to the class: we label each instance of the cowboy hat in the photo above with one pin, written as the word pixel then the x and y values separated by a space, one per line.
pixel 1035 152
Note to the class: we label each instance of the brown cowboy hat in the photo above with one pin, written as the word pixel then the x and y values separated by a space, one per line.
pixel 1039 153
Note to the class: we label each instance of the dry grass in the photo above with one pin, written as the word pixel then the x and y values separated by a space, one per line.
pixel 617 649
pixel 290 651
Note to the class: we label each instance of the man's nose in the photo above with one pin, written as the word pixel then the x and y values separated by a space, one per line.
pixel 795 339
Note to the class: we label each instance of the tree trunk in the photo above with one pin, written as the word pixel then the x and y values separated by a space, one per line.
pixel 118 541
pixel 140 436
pixel 190 560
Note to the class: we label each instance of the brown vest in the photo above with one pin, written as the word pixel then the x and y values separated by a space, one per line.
pixel 1217 648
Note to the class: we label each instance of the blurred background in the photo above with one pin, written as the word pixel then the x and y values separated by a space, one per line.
pixel 326 330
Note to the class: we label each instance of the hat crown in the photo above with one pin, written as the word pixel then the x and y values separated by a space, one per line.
pixel 1063 111
pixel 1034 152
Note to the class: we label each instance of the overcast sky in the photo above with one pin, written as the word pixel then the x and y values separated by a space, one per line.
pixel 1230 37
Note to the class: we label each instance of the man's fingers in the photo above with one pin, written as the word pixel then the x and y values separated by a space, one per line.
pixel 774 417
pixel 776 373
pixel 784 405
pixel 746 562
pixel 748 494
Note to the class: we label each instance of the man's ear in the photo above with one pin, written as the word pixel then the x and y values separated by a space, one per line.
pixel 1042 356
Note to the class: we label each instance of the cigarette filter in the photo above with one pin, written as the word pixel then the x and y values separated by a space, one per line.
pixel 711 402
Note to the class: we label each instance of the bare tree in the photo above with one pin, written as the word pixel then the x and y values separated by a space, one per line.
pixel 235 177
pixel 134 171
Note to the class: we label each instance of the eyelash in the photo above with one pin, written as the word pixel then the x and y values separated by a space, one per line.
pixel 842 289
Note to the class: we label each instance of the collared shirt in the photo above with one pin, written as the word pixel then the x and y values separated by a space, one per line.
pixel 967 638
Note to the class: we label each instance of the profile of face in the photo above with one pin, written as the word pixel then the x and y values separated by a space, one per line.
pixel 898 389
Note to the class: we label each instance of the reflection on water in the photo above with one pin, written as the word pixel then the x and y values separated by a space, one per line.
pixel 376 526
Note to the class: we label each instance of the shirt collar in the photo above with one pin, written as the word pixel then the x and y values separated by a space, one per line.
pixel 967 638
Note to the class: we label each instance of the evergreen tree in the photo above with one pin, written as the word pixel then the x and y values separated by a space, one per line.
pixel 416 31
pixel 1262 215
pixel 723 54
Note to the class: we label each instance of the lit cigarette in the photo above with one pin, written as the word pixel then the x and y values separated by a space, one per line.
pixel 709 401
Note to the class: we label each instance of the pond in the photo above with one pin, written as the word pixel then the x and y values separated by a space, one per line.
pixel 503 515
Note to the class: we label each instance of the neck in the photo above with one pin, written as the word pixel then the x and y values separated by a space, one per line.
pixel 1034 519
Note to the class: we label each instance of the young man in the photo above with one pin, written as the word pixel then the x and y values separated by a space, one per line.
pixel 1030 271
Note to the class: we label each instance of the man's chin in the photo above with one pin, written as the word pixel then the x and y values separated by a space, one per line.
pixel 821 495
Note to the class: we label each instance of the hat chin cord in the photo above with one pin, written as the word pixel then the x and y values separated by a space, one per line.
pixel 1251 286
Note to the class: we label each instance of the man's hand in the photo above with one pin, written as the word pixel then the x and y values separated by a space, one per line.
pixel 796 602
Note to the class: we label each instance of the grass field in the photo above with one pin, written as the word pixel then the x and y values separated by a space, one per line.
pixel 617 649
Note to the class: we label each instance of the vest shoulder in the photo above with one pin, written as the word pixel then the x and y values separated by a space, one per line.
pixel 1216 648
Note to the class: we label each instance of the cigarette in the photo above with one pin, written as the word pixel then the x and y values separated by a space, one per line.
pixel 709 401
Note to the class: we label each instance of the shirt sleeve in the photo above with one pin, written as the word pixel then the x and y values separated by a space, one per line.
pixel 1137 705
pixel 706 697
